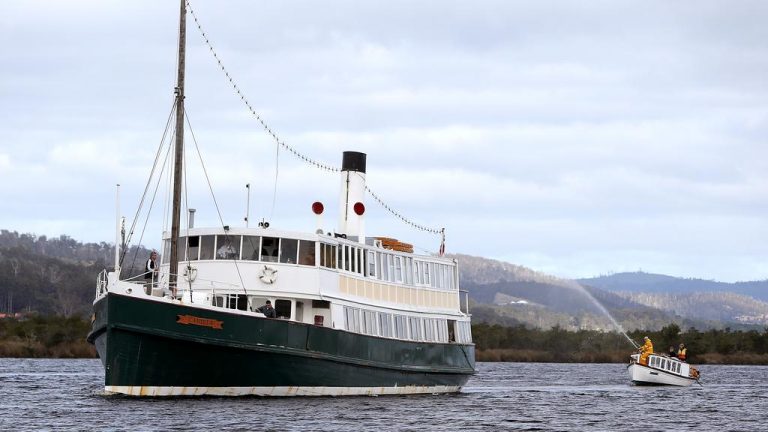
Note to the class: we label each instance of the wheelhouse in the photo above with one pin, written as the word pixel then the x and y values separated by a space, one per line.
pixel 668 364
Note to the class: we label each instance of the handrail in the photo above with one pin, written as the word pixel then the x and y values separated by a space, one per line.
pixel 102 285
pixel 466 301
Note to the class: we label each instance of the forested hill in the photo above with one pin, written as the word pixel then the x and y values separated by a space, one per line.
pixel 54 275
pixel 511 294
pixel 58 276
pixel 641 282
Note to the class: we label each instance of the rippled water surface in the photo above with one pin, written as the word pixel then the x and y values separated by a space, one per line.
pixel 68 395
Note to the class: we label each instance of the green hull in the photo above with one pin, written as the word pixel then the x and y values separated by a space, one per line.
pixel 149 343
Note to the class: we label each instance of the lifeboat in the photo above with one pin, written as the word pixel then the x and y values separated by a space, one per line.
pixel 395 244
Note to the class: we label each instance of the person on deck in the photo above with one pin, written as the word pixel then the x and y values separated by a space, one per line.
pixel 682 353
pixel 151 270
pixel 645 351
pixel 226 251
pixel 267 310
pixel 672 352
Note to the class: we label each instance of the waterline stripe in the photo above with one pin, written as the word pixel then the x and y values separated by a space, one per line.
pixel 158 391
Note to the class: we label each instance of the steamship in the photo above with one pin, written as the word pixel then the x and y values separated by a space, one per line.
pixel 354 315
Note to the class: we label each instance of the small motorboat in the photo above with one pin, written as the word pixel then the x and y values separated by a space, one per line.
pixel 661 370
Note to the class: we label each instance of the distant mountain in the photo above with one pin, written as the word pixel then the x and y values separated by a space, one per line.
pixel 507 293
pixel 716 306
pixel 637 282
pixel 57 275
pixel 525 296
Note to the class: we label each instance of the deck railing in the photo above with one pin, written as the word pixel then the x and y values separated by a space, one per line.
pixel 101 283
pixel 466 301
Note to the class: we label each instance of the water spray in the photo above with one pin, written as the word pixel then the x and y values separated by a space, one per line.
pixel 574 284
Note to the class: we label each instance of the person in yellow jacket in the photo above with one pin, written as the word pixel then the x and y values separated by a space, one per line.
pixel 682 353
pixel 645 351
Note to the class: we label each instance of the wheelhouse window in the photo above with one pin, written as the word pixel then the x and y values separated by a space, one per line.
pixel 206 247
pixel 217 301
pixel 227 247
pixel 307 252
pixel 256 302
pixel 327 255
pixel 283 309
pixel 270 249
pixel 251 247
pixel 346 257
pixel 193 248
pixel 288 250
pixel 238 301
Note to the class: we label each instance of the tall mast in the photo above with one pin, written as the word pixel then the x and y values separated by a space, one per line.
pixel 179 155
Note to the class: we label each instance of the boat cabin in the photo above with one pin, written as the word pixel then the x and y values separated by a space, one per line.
pixel 665 363
pixel 366 288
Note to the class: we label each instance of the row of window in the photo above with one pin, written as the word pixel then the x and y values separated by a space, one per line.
pixel 251 303
pixel 666 364
pixel 365 321
pixel 250 248
pixel 405 327
pixel 387 267
pixel 381 265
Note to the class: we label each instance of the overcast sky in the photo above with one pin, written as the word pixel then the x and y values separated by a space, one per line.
pixel 575 138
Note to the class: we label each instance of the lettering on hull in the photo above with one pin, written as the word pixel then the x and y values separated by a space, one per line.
pixel 203 322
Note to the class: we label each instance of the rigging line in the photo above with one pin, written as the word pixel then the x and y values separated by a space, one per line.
pixel 186 243
pixel 274 135
pixel 274 191
pixel 398 215
pixel 210 187
pixel 166 207
pixel 151 174
pixel 151 204
pixel 248 104
pixel 149 181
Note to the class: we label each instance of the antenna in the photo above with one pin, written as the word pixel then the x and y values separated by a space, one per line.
pixel 117 230
pixel 248 204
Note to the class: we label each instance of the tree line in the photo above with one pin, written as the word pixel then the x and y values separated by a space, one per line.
pixel 55 276
pixel 521 343
pixel 64 337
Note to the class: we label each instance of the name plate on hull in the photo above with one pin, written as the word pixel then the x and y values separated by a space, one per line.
pixel 203 322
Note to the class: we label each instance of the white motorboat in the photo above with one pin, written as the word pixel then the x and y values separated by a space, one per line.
pixel 661 370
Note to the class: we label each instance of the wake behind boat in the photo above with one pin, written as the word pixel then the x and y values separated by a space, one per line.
pixel 351 315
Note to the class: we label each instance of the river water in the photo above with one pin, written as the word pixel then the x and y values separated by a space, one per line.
pixel 52 394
